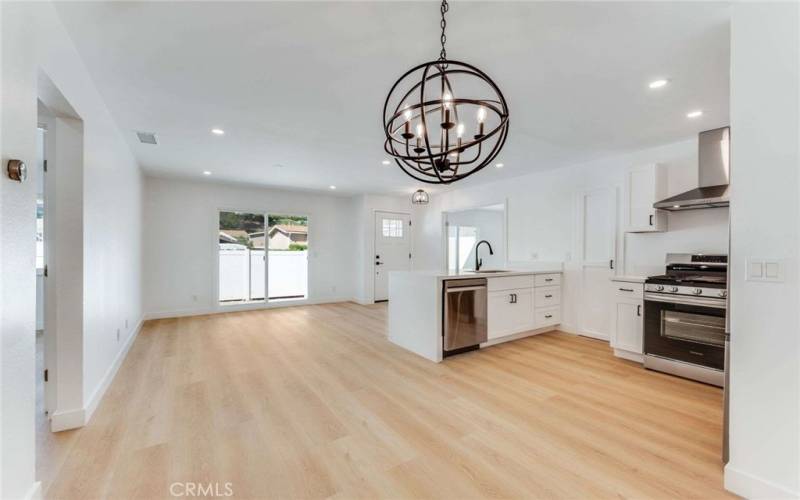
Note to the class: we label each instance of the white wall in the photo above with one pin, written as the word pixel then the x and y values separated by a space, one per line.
pixel 181 224
pixel 765 223
pixel 33 40
pixel 542 217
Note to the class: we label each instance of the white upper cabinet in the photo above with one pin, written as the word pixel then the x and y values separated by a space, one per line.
pixel 645 185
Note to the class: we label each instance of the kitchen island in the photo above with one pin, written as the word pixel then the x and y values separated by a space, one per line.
pixel 518 304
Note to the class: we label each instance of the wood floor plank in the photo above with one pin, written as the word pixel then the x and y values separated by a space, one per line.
pixel 314 402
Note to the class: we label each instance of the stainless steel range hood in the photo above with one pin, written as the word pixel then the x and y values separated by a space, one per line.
pixel 714 174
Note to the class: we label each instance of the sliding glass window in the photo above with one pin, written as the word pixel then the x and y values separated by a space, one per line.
pixel 242 261
pixel 253 254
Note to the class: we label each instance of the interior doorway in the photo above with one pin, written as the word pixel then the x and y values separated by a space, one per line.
pixel 392 249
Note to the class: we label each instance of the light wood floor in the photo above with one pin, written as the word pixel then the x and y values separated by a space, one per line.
pixel 313 402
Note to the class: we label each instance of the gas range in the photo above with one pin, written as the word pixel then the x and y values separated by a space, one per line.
pixel 693 276
pixel 684 317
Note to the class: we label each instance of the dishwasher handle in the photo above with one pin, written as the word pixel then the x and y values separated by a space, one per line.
pixel 465 289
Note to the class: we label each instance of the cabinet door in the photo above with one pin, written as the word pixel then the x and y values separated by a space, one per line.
pixel 644 186
pixel 627 332
pixel 510 311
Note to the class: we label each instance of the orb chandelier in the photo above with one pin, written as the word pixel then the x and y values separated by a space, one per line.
pixel 444 120
pixel 420 197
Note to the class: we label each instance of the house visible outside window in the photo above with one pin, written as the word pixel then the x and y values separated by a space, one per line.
pixel 393 228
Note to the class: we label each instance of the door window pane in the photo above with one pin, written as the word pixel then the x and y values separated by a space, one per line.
pixel 288 257
pixel 241 257
pixel 392 228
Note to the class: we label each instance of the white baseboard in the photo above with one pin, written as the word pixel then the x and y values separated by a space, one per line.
pixel 181 313
pixel 753 487
pixel 64 420
pixel 630 356
pixel 99 392
pixel 35 492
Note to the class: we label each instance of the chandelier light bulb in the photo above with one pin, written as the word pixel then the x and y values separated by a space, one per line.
pixel 481 114
pixel 407 114
pixel 447 99
pixel 460 130
pixel 420 130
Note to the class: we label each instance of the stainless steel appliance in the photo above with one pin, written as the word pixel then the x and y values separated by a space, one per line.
pixel 714 174
pixel 685 312
pixel 464 327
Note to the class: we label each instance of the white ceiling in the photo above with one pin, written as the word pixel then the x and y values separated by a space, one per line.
pixel 302 85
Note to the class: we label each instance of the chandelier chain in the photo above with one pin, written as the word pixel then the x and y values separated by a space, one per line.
pixel 444 8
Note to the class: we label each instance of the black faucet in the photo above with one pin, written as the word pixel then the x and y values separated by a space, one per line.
pixel 479 262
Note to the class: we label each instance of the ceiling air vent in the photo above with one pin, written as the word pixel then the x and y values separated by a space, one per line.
pixel 147 137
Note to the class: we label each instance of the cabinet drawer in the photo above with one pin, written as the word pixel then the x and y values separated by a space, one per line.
pixel 547 296
pixel 510 282
pixel 624 289
pixel 547 279
pixel 547 316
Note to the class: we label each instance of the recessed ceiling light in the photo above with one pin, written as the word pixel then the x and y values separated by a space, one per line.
pixel 206 172
pixel 658 84
pixel 386 162
pixel 217 131
pixel 694 114
pixel 332 187
pixel 499 165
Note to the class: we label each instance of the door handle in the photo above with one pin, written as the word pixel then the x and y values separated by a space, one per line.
pixel 379 263
pixel 638 310
pixel 611 264
pixel 651 219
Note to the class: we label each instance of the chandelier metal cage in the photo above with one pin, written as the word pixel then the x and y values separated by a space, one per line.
pixel 429 127
pixel 420 197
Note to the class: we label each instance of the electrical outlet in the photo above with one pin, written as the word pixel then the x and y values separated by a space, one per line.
pixel 117 334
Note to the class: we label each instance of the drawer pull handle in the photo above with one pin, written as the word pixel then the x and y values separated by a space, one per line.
pixel 548 296
pixel 626 289
pixel 548 316
pixel 548 279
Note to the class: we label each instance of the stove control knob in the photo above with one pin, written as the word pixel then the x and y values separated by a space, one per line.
pixel 674 289
pixel 697 291
pixel 723 293
pixel 660 288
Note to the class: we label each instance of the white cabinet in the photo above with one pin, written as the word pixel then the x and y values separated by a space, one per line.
pixel 645 185
pixel 509 312
pixel 627 320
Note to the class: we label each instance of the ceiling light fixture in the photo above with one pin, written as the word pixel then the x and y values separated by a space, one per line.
pixel 217 131
pixel 499 165
pixel 657 84
pixel 420 197
pixel 206 172
pixel 424 101
pixel 331 187
pixel 386 162
pixel 694 114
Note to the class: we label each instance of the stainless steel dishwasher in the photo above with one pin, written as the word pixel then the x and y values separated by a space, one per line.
pixel 464 321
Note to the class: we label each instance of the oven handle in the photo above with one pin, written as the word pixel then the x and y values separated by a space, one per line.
pixel 689 301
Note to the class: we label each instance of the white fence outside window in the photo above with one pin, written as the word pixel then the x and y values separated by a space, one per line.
pixel 241 274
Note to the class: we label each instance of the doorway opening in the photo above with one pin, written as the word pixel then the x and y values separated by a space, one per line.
pixel 464 229
pixel 392 249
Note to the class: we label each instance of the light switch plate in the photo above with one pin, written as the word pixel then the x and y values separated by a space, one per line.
pixel 765 269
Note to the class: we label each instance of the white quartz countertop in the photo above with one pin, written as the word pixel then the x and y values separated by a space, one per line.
pixel 472 274
pixel 629 279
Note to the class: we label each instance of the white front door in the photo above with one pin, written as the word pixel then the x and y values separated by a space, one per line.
pixel 597 210
pixel 392 249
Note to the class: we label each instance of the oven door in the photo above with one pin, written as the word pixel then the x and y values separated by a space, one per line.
pixel 688 329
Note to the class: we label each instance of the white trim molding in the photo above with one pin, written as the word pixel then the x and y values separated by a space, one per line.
pixel 750 486
pixel 35 492
pixel 247 307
